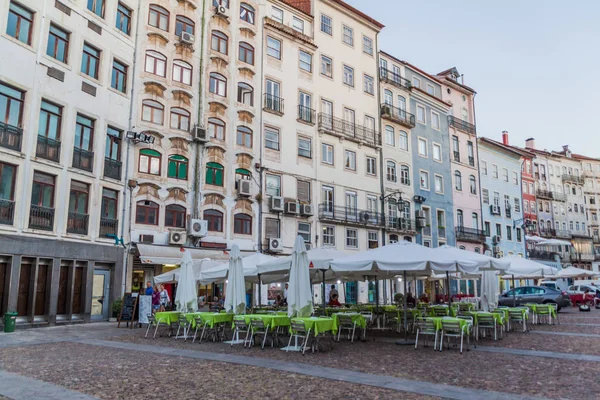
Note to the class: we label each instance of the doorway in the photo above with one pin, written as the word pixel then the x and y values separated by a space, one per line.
pixel 100 295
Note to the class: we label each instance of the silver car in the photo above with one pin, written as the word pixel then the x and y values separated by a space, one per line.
pixel 534 294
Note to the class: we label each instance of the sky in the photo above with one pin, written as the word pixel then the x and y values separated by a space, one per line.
pixel 535 64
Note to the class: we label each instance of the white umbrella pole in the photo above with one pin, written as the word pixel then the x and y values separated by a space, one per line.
pixel 259 291
pixel 323 293
pixel 514 292
pixel 448 286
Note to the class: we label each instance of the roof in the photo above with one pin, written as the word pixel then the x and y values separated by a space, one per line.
pixel 300 5
pixel 582 157
pixel 502 146
pixel 357 12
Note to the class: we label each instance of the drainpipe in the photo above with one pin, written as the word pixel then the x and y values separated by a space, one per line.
pixel 260 157
pixel 478 172
pixel 522 210
pixel 381 164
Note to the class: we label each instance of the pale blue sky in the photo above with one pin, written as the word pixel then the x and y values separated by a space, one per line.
pixel 535 64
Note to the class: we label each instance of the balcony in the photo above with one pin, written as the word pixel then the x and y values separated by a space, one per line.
pixel 48 149
pixel 41 218
pixel 307 115
pixel 426 230
pixel 441 230
pixel 547 232
pixel 393 78
pixel 573 179
pixel 474 235
pixel 112 168
pixel 542 255
pixel 7 211
pixel 398 115
pixel 10 136
pixel 563 234
pixel 461 125
pixel 456 156
pixel 544 194
pixel 403 225
pixel 350 216
pixel 108 227
pixel 77 223
pixel 348 130
pixel 471 161
pixel 273 104
pixel 83 159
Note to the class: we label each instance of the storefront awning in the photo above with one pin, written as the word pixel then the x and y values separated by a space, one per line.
pixel 154 254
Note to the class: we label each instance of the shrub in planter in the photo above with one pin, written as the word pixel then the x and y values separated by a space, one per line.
pixel 116 307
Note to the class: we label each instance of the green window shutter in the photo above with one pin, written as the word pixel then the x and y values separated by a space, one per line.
pixel 219 177
pixel 149 152
pixel 172 170
pixel 214 174
pixel 182 174
pixel 242 171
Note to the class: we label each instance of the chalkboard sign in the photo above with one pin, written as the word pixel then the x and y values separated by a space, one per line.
pixel 128 309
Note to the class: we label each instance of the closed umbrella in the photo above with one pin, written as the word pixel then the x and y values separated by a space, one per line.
pixel 299 293
pixel 489 289
pixel 235 294
pixel 186 298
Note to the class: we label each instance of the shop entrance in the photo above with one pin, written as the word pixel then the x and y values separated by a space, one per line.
pixel 100 295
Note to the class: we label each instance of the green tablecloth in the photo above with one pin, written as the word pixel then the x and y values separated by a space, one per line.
pixel 317 325
pixel 469 306
pixel 523 311
pixel 359 319
pixel 270 320
pixel 167 317
pixel 499 317
pixel 535 306
pixel 464 324
pixel 213 318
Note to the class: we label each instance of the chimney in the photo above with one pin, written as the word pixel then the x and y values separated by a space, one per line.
pixel 505 137
pixel 530 143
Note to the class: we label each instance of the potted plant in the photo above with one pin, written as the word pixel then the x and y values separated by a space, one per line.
pixel 116 308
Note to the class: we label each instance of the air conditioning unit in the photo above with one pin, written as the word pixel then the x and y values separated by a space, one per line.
pixel 276 204
pixel 222 11
pixel 244 187
pixel 420 223
pixel 292 208
pixel 496 239
pixel 187 38
pixel 198 227
pixel 306 209
pixel 275 245
pixel 199 134
pixel 495 209
pixel 177 237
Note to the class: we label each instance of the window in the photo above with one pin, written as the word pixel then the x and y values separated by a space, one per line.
pixel 178 167
pixel 508 232
pixel 368 45
pixel 277 14
pixel 369 84
pixel 348 35
pixel 108 208
pixel 216 128
pixel 391 171
pixel 472 184
pixel 485 195
pixel 483 167
pixel 326 24
pixel 526 206
pixel 305 60
pixel 214 174
pixel 515 179
pixel 273 185
pixel 518 205
pixel 327 155
pixel 494 171
pixel 58 43
pixel 146 212
pixel 390 136
pixel 272 228
pixel 245 94
pixel 50 120
pixel 497 199
pixel 20 23
pixel 214 218
pixel 158 17
pixel 505 174
pixel 424 177
pixel 156 63
pixel 437 152
pixel 372 240
pixel 518 230
pixel 96 6
pixel 149 162
pixel 416 82
pixel 175 216
pixel 247 13
pixel 303 191
pixel 352 238
pixel 180 119
pixel 326 66
pixel 304 147
pixel 244 136
pixel 273 48
pixel 350 160
pixel 471 153
pixel 123 22
pixel 219 42
pixel 246 53
pixel 388 97
pixel 422 147
pixel 457 180
pixel 298 24
pixel 152 111
pixel 405 175
pixel 371 166
pixel 349 75
pixel 435 120
pixel 182 72
pixel 8 179
pixel 242 224
pixel 218 84
pixel 113 144
pixel 84 133
pixel 183 24
pixel 403 140
pixel 499 230
pixel 421 114
pixel 439 184
pixel 486 228
pixel 272 138
pixel 329 235
pixel 430 89
pixel 119 76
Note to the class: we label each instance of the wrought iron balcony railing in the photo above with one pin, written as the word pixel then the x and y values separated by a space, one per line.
pixel 349 130
pixel 306 114
pixel 273 103
pixel 544 194
pixel 10 136
pixel 398 224
pixel 7 211
pixel 108 227
pixel 41 218
pixel 398 115
pixel 350 216
pixel 573 178
pixel 112 168
pixel 456 155
pixel 461 125
pixel 465 234
pixel 547 232
pixel 542 255
pixel 393 78
pixel 83 159
pixel 471 161
pixel 77 223
pixel 48 148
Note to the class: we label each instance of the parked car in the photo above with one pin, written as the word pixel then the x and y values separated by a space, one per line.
pixel 535 294
pixel 558 285
pixel 580 289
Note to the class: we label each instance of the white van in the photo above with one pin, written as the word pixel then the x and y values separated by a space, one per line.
pixel 558 284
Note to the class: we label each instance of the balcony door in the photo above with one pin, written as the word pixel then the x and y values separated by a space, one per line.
pixel 327 111
pixel 349 121
pixel 351 206
pixel 273 100
pixel 305 104
pixel 328 201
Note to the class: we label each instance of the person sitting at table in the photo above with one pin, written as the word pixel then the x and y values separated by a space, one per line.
pixel 279 301
pixel 334 302
pixel 333 292
pixel 410 300
pixel 423 298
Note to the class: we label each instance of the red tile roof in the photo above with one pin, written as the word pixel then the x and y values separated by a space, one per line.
pixel 302 5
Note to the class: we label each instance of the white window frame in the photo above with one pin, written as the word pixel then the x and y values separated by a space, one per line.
pixel 328 235
pixel 427 186
pixel 271 49
pixel 435 115
pixel 369 84
pixel 439 148
pixel 326 21
pixel 324 153
pixel 298 24
pixel 422 108
pixel 368 45
pixel 421 140
pixel 348 38
pixel 346 154
pixel 348 75
pixel 441 180
pixel 371 161
pixel 349 238
pixel 330 64
pixel 303 64
pixel 277 14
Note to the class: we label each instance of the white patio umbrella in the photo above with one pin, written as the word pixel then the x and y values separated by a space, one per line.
pixel 489 289
pixel 522 268
pixel 186 297
pixel 220 272
pixel 197 267
pixel 483 262
pixel 574 272
pixel 235 293
pixel 534 239
pixel 553 242
pixel 299 293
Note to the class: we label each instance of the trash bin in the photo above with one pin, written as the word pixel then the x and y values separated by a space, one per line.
pixel 10 319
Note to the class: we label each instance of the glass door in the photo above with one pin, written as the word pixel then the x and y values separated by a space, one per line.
pixel 100 295
pixel 327 111
pixel 351 206
pixel 328 201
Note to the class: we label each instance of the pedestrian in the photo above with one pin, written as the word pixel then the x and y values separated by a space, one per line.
pixel 149 289
pixel 285 293
pixel 164 298
pixel 155 299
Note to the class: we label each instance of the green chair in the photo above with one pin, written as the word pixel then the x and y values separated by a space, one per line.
pixel 426 327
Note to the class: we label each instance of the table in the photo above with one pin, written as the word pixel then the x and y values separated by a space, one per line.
pixel 317 325
pixel 270 320
pixel 468 306
pixel 168 317
pixel 534 309
pixel 498 317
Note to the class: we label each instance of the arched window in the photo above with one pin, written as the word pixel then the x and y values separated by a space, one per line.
pixel 247 13
pixel 244 136
pixel 241 173
pixel 219 42
pixel 405 175
pixel 394 238
pixel 388 97
pixel 146 212
pixel 576 207
pixel 178 167
pixel 242 224
pixel 460 221
pixel 214 174
pixel 218 84
pixel 184 24
pixel 462 247
pixel 152 111
pixel 457 180
pixel 557 225
pixel 149 162
pixel 475 220
pixel 216 128
pixel 180 119
pixel 408 238
pixel 402 105
pixel 477 250
pixel 175 216
pixel 472 184
pixel 246 53
pixel 214 219
pixel 156 63
pixel 390 135
pixel 391 171
pixel 182 72
pixel 245 94
pixel 403 140
pixel 158 17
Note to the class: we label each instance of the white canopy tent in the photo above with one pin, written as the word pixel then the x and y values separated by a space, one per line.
pixel 197 267
pixel 553 242
pixel 574 272
pixel 219 273
pixel 483 262
pixel 534 238
pixel 522 268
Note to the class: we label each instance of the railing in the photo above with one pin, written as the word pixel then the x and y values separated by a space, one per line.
pixel 471 161
pixel 563 234
pixel 83 159
pixel 77 223
pixel 404 180
pixel 469 234
pixel 397 115
pixel 547 232
pixel 10 136
pixel 508 213
pixel 108 227
pixel 41 218
pixel 348 130
pixel 542 255
pixel 441 231
pixel 112 168
pixel 306 114
pixel 544 194
pixel 573 178
pixel 400 224
pixel 48 148
pixel 273 103
pixel 350 215
pixel 559 196
pixel 426 230
pixel 393 78
pixel 7 211
pixel 461 125
pixel 456 155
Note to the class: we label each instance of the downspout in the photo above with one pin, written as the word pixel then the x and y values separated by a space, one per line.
pixel 479 172
pixel 381 164
pixel 522 210
pixel 260 157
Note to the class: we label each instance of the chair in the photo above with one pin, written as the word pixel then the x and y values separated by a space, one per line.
pixel 487 323
pixel 517 316
pixel 452 329
pixel 368 317
pixel 182 322
pixel 153 322
pixel 426 327
pixel 441 311
pixel 240 327
pixel 298 331
pixel 464 307
pixel 257 328
pixel 470 320
pixel 543 312
pixel 391 319
pixel 345 323
pixel 207 331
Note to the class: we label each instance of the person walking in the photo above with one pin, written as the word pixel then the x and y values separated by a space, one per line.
pixel 149 289
pixel 164 298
